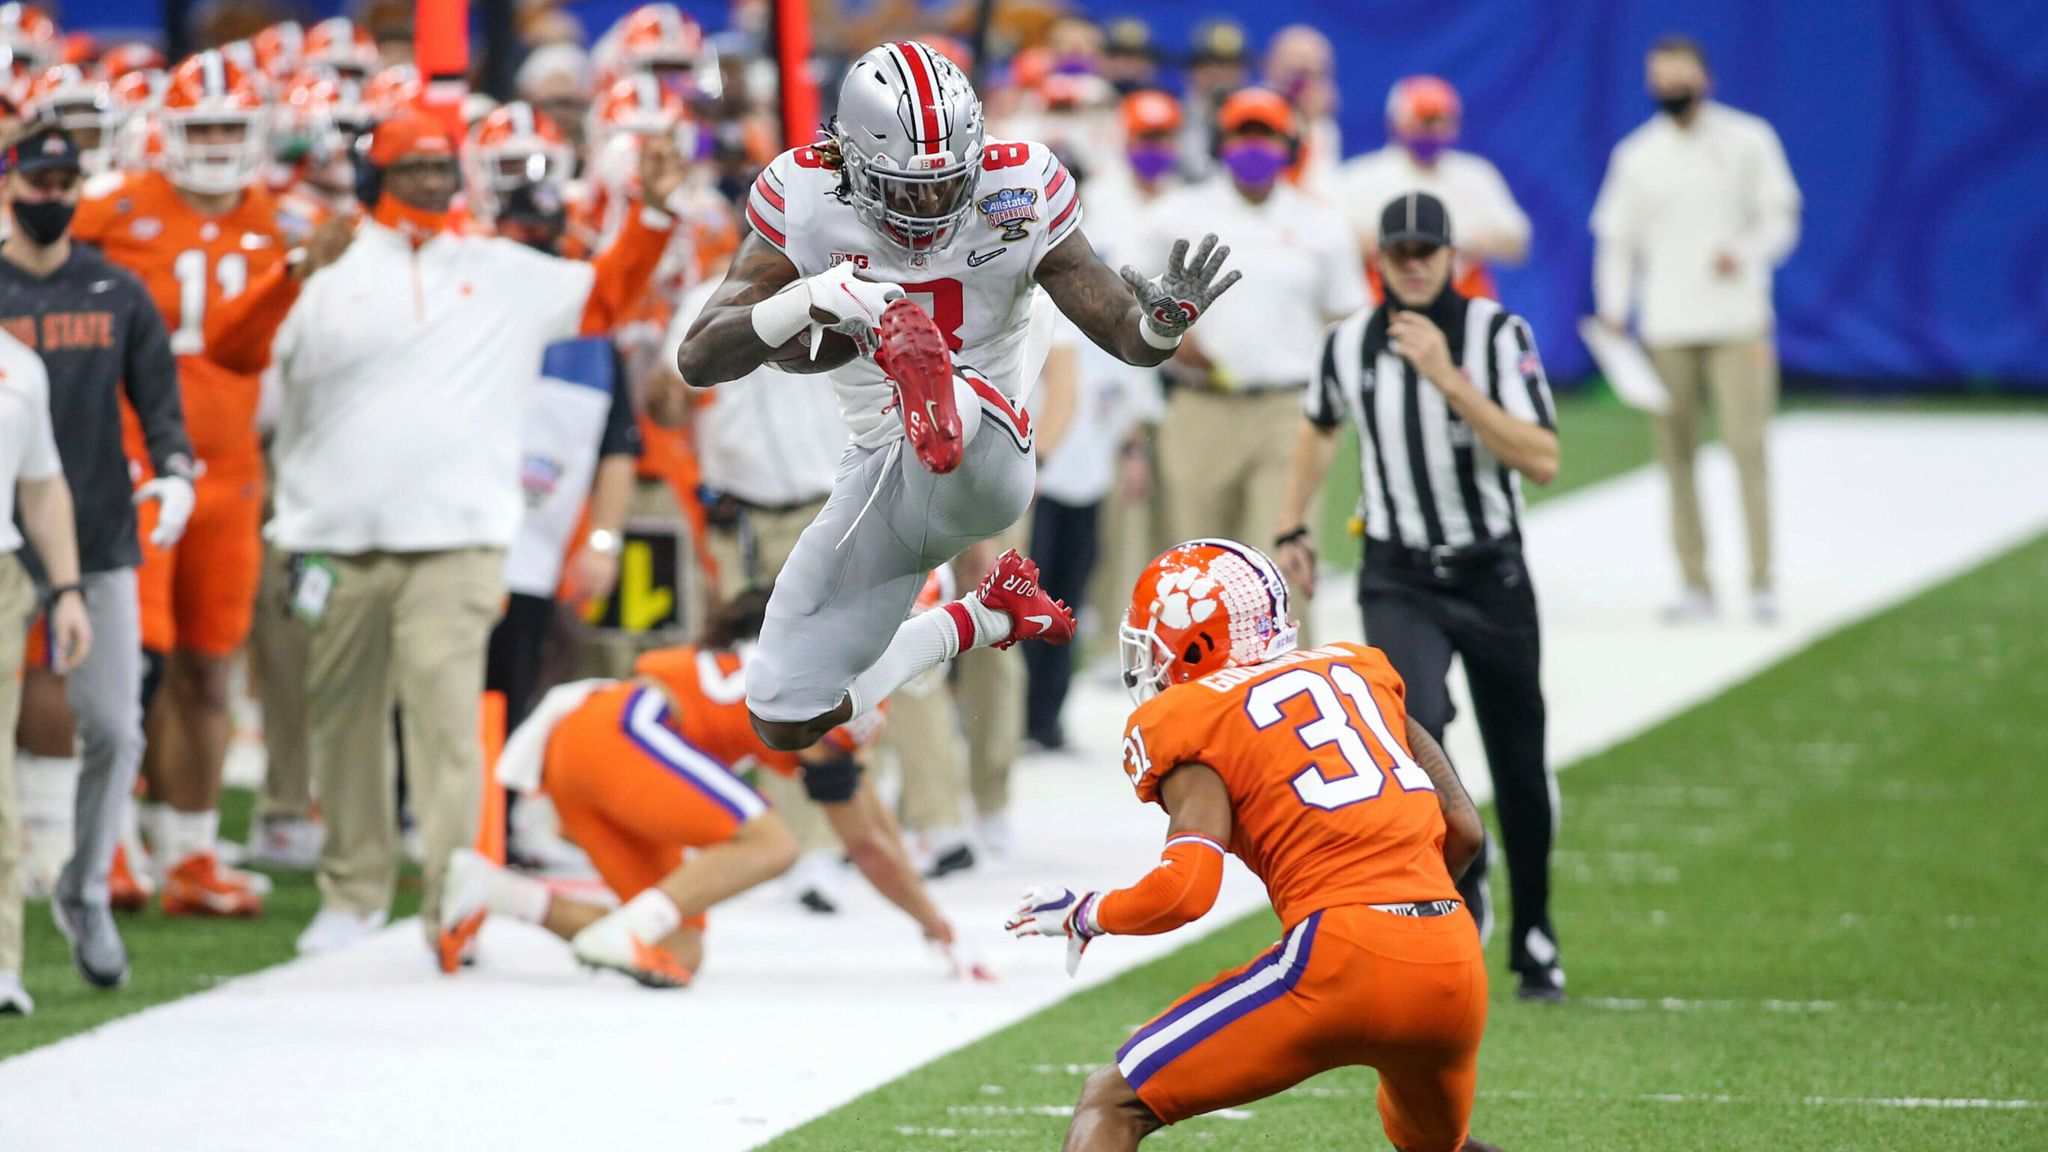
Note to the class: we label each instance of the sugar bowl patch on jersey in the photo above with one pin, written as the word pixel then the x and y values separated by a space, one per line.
pixel 1009 210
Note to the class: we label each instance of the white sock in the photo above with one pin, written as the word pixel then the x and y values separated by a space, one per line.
pixel 187 834
pixel 926 641
pixel 151 817
pixel 520 897
pixel 650 916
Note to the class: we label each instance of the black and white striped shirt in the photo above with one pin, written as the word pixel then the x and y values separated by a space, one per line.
pixel 1428 481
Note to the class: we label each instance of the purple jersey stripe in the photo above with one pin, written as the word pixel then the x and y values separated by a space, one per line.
pixel 687 773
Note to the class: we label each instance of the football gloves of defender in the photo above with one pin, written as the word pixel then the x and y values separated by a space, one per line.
pixel 1050 910
pixel 1173 299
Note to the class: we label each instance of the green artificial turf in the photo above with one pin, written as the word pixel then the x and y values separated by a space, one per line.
pixel 168 958
pixel 1803 915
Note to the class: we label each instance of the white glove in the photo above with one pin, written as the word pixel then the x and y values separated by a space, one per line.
pixel 174 498
pixel 1173 299
pixel 854 304
pixel 1050 910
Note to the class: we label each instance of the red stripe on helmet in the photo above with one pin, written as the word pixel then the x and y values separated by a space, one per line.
pixel 927 98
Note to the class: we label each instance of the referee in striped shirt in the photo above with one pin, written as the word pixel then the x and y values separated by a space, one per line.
pixel 1452 410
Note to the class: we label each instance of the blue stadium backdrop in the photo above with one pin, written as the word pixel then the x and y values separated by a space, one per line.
pixel 1914 127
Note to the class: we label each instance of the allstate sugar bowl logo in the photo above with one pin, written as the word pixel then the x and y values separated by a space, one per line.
pixel 1010 209
pixel 538 476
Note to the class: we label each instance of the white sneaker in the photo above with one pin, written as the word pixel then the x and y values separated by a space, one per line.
pixel 609 943
pixel 1693 606
pixel 996 835
pixel 333 930
pixel 465 887
pixel 14 999
pixel 1763 607
pixel 817 881
pixel 286 842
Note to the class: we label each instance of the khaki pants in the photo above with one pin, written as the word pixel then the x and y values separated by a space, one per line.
pixel 277 656
pixel 17 604
pixel 1742 375
pixel 990 696
pixel 1223 460
pixel 924 732
pixel 774 536
pixel 410 628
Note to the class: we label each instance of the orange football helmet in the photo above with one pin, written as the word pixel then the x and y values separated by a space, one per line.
pixel 134 56
pixel 324 113
pixel 392 91
pixel 515 145
pixel 83 107
pixel 1204 606
pixel 214 121
pixel 32 34
pixel 280 50
pixel 341 44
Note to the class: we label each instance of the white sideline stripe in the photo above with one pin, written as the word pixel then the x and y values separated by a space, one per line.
pixel 794 1015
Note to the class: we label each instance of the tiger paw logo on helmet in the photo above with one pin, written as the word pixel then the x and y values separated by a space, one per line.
pixel 1204 606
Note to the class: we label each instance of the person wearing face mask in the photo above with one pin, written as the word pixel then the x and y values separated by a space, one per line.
pixel 1301 65
pixel 101 339
pixel 1696 212
pixel 407 365
pixel 1235 388
pixel 1423 120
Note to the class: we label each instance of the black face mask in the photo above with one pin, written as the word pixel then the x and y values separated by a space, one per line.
pixel 44 222
pixel 1678 105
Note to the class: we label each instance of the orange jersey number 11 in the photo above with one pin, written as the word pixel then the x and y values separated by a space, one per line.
pixel 1332 725
pixel 232 273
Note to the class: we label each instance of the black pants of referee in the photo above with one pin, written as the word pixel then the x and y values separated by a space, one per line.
pixel 1065 543
pixel 1486 616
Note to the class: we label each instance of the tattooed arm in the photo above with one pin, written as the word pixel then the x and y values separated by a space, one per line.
pixel 1097 300
pixel 723 345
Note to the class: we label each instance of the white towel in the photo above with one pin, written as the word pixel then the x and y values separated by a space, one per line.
pixel 519 764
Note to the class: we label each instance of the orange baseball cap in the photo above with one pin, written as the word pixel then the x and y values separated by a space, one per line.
pixel 1256 106
pixel 409 134
pixel 1414 99
pixel 1150 111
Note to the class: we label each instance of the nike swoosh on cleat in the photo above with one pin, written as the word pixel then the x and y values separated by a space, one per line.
pixel 1044 622
pixel 977 259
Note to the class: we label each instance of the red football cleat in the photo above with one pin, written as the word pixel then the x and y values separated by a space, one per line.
pixel 1011 587
pixel 199 886
pixel 912 350
pixel 126 889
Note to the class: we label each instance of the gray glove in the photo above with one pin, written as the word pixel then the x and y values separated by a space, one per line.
pixel 1185 290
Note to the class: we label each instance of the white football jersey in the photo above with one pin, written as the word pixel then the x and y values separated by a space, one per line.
pixel 979 288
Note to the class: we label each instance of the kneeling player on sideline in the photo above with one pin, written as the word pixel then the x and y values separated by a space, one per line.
pixel 642 774
pixel 1285 756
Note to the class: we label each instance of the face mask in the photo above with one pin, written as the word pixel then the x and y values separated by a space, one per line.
pixel 44 222
pixel 1678 104
pixel 1151 160
pixel 1425 149
pixel 1255 163
pixel 415 224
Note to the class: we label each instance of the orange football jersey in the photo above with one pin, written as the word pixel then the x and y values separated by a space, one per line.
pixel 192 263
pixel 709 691
pixel 1328 804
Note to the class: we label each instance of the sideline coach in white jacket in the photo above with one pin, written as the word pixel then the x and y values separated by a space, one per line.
pixel 406 368
pixel 1697 210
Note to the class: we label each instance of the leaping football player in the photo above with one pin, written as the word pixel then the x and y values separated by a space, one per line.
pixel 846 235
pixel 1305 765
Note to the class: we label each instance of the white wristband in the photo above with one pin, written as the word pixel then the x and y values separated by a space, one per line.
pixel 1157 339
pixel 780 317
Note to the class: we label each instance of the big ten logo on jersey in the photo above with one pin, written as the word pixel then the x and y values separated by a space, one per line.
pixel 1137 761
pixel 857 259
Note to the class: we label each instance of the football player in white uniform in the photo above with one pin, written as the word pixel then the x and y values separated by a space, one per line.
pixel 882 212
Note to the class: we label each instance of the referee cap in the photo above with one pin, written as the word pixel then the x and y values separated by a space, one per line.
pixel 1417 216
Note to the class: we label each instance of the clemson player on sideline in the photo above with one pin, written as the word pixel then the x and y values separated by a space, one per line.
pixel 844 234
pixel 198 232
pixel 642 773
pixel 1306 765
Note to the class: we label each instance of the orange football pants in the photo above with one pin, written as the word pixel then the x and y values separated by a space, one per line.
pixel 201 594
pixel 1347 986
pixel 633 794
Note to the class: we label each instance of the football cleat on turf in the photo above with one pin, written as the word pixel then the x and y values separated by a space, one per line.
pixel 286 842
pixel 1012 588
pixel 1542 984
pixel 200 886
pixel 14 999
pixel 465 890
pixel 609 944
pixel 912 350
pixel 127 889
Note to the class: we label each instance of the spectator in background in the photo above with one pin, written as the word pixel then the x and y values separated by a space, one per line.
pixel 1130 61
pixel 1301 65
pixel 1698 209
pixel 1424 117
pixel 555 78
pixel 398 460
pixel 30 470
pixel 101 339
pixel 1237 383
pixel 1218 65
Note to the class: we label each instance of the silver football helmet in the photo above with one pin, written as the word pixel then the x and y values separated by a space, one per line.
pixel 909 133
